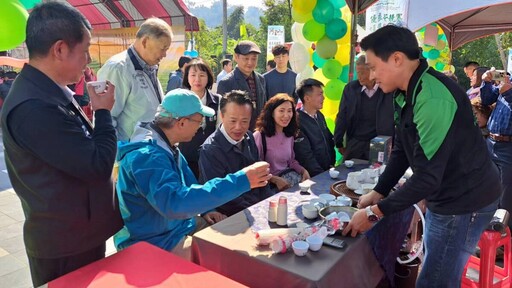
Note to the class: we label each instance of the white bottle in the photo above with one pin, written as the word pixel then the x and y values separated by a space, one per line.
pixel 272 211
pixel 282 211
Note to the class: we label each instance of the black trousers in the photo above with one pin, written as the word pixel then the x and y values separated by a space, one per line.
pixel 357 149
pixel 45 270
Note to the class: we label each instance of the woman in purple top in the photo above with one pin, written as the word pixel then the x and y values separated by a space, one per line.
pixel 275 133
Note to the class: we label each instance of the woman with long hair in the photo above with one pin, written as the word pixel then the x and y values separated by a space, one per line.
pixel 482 112
pixel 275 133
pixel 198 78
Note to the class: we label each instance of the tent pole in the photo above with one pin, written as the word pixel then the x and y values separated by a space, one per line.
pixel 353 40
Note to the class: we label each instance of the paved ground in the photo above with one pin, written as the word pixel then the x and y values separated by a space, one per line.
pixel 14 271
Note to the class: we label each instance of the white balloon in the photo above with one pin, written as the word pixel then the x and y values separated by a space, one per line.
pixel 297 35
pixel 304 74
pixel 299 57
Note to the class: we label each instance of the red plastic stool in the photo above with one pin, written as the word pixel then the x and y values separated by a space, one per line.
pixel 482 272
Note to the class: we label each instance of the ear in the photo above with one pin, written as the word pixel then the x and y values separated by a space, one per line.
pixel 60 50
pixel 144 41
pixel 398 58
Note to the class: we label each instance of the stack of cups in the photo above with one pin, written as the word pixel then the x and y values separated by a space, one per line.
pixel 272 211
pixel 282 211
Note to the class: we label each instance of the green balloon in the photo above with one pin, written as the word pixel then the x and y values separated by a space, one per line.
pixel 440 66
pixel 337 14
pixel 433 54
pixel 330 124
pixel 336 29
pixel 344 73
pixel 333 89
pixel 13 22
pixel 332 69
pixel 318 61
pixel 313 31
pixel 323 12
pixel 29 4
pixel 326 48
pixel 338 4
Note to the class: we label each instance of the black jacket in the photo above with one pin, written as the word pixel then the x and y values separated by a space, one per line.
pixel 59 167
pixel 438 138
pixel 235 80
pixel 218 158
pixel 348 117
pixel 314 147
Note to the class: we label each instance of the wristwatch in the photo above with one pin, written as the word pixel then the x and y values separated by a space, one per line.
pixel 372 217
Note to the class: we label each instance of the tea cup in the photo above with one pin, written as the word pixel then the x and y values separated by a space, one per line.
pixel 300 248
pixel 309 211
pixel 334 173
pixel 99 86
pixel 349 163
pixel 327 197
pixel 315 242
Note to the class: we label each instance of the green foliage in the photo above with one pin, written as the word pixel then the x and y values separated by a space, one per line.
pixel 235 19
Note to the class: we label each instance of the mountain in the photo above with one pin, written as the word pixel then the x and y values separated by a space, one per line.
pixel 213 15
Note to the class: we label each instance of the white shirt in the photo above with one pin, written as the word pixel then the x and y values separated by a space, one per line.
pixel 370 92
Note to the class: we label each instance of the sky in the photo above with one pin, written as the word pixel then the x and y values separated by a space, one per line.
pixel 245 3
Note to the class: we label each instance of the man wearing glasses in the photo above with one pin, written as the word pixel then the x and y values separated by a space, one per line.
pixel 159 196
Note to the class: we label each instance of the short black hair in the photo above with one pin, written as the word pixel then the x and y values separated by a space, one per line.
pixel 390 39
pixel 201 66
pixel 280 50
pixel 267 124
pixel 238 97
pixel 225 62
pixel 53 21
pixel 183 60
pixel 306 86
pixel 471 63
pixel 271 63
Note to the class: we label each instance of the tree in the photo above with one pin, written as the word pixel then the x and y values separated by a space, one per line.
pixel 483 50
pixel 235 19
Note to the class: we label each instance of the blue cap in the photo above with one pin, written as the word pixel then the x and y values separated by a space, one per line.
pixel 179 103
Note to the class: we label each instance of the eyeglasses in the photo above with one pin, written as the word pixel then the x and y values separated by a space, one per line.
pixel 200 122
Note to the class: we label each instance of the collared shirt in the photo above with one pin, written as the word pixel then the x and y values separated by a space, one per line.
pixel 370 92
pixel 221 75
pixel 151 71
pixel 304 110
pixel 251 82
pixel 230 140
pixel 500 121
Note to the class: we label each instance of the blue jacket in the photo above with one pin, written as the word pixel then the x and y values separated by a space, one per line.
pixel 159 197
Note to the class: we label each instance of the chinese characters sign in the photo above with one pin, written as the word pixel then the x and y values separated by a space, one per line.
pixel 275 37
pixel 385 12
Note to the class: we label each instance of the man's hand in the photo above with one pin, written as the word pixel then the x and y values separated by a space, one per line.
pixel 280 182
pixel 358 224
pixel 103 100
pixel 305 175
pixel 258 174
pixel 369 199
pixel 214 217
pixel 487 76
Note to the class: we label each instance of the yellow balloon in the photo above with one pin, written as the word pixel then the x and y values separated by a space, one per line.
pixel 301 17
pixel 440 45
pixel 303 6
pixel 319 75
pixel 330 109
pixel 343 54
pixel 346 15
pixel 345 39
pixel 311 63
pixel 452 68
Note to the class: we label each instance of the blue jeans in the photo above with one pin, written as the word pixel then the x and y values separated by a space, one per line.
pixel 449 241
pixel 501 153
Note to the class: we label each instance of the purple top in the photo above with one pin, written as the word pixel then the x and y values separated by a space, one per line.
pixel 280 153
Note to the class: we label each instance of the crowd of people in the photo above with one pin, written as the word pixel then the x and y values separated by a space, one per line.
pixel 190 157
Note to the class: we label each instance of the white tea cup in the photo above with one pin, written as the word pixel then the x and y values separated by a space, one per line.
pixel 99 86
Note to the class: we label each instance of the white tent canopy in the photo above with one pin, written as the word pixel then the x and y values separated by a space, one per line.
pixel 462 20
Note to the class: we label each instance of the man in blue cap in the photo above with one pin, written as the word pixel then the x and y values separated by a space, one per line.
pixel 158 193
